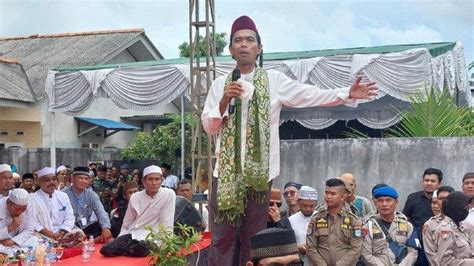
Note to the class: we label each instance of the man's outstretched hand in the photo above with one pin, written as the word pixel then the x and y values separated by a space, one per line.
pixel 363 90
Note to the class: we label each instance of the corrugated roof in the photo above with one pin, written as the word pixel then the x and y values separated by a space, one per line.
pixel 435 49
pixel 106 123
pixel 14 83
pixel 40 53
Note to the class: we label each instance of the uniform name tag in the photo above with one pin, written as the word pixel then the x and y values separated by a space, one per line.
pixel 402 233
pixel 321 223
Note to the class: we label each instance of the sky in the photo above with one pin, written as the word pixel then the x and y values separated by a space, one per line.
pixel 285 25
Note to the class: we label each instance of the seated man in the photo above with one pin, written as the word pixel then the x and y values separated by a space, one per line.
pixel 103 187
pixel 53 210
pixel 28 183
pixel 89 213
pixel 274 246
pixel 6 180
pixel 185 190
pixel 16 222
pixel 150 207
pixel 118 214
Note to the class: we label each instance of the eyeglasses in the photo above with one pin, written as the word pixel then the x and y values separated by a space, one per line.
pixel 291 193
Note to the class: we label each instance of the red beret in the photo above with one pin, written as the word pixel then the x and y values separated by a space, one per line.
pixel 243 23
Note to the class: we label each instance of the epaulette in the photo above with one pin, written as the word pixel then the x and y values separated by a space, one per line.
pixel 401 217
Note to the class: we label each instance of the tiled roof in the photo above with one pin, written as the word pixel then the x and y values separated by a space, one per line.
pixel 40 53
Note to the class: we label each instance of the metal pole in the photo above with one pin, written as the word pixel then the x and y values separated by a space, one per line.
pixel 182 136
pixel 52 134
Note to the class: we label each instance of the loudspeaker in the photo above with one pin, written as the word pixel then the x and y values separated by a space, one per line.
pixel 185 213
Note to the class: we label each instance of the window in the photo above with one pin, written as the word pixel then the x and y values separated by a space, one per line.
pixel 3 133
pixel 19 133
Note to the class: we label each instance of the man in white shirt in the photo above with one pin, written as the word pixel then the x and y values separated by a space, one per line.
pixel 169 180
pixel 6 180
pixel 308 200
pixel 150 207
pixel 16 221
pixel 248 141
pixel 54 214
pixel 468 188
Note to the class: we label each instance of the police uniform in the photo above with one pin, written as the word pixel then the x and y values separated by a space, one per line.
pixel 430 239
pixel 333 240
pixel 454 243
pixel 375 248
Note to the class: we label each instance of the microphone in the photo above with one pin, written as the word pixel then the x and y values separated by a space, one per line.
pixel 235 77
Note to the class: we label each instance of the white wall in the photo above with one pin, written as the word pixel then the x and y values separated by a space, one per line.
pixel 66 126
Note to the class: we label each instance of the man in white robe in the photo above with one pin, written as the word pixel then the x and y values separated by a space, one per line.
pixel 54 214
pixel 16 222
pixel 150 207
pixel 6 180
pixel 308 200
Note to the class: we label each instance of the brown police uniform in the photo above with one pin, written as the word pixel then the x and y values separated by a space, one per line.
pixel 333 240
pixel 375 248
pixel 430 239
pixel 454 243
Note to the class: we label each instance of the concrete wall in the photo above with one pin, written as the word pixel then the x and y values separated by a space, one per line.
pixel 31 136
pixel 397 162
pixel 28 160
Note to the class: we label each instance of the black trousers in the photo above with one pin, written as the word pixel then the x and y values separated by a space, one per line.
pixel 231 245
pixel 93 229
pixel 125 246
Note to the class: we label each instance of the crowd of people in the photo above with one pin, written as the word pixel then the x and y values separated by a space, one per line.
pixel 342 228
pixel 434 228
pixel 66 206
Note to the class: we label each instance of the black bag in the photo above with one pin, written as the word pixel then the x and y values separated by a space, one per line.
pixel 400 251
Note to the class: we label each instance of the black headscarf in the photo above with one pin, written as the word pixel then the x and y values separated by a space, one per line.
pixel 455 206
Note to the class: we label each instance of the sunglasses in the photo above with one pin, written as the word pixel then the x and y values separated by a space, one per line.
pixel 291 193
pixel 278 204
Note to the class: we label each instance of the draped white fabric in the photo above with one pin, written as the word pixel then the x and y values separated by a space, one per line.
pixel 398 75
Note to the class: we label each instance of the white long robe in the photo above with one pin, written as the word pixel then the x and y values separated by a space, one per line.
pixel 22 235
pixel 144 210
pixel 299 223
pixel 54 213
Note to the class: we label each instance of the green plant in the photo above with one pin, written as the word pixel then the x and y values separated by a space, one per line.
pixel 434 115
pixel 220 43
pixel 166 247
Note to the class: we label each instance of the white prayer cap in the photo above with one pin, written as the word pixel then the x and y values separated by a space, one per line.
pixel 308 193
pixel 151 169
pixel 61 168
pixel 46 171
pixel 19 196
pixel 91 173
pixel 5 168
pixel 16 175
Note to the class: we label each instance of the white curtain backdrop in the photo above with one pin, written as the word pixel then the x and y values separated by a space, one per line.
pixel 398 75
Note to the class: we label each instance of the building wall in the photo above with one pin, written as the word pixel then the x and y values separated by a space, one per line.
pixel 66 126
pixel 397 162
pixel 31 136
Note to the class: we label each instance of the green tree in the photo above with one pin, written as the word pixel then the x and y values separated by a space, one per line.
pixel 163 144
pixel 220 43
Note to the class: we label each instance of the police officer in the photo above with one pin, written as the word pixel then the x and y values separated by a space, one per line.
pixel 334 235
pixel 454 238
pixel 389 237
pixel 432 225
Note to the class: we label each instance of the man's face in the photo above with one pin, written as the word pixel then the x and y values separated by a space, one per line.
pixel 152 182
pixel 102 175
pixel 129 192
pixel 48 183
pixel 291 196
pixel 185 190
pixel 62 175
pixel 335 196
pixel 307 206
pixel 436 202
pixel 245 47
pixel 165 171
pixel 386 205
pixel 109 174
pixel 15 210
pixel 430 183
pixel 6 180
pixel 124 171
pixel 28 183
pixel 81 182
pixel 114 171
pixel 351 182
pixel 468 186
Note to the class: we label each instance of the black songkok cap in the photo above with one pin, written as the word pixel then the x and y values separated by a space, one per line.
pixel 101 168
pixel 273 242
pixel 80 170
pixel 292 184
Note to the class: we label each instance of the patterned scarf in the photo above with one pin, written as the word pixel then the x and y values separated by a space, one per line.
pixel 233 184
